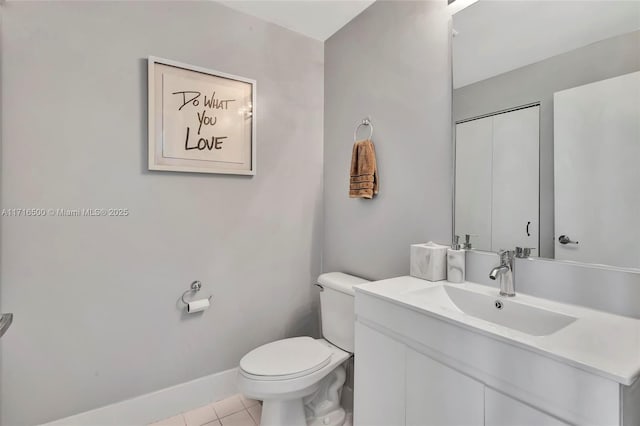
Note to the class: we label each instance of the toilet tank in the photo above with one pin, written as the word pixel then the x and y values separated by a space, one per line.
pixel 337 308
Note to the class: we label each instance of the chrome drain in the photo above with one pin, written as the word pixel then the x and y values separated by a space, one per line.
pixel 498 304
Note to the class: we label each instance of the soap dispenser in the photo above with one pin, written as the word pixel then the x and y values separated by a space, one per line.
pixel 455 262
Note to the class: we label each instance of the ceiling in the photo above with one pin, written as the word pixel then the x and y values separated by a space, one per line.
pixel 494 37
pixel 318 19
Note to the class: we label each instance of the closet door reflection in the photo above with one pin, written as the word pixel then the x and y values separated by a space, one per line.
pixel 515 179
pixel 497 179
pixel 474 140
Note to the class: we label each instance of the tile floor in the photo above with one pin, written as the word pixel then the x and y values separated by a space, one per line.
pixel 233 411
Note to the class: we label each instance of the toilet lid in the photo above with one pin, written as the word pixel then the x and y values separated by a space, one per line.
pixel 297 356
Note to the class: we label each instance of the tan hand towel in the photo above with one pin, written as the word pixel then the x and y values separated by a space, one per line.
pixel 364 171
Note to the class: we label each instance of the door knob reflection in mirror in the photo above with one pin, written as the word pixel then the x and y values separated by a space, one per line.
pixel 563 239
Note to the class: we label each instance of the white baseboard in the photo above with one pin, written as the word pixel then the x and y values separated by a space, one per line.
pixel 158 405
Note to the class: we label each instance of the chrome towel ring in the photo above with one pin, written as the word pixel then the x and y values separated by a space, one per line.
pixel 365 122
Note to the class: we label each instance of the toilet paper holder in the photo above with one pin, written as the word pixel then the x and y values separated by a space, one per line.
pixel 196 286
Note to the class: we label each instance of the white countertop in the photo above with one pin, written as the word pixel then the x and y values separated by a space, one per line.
pixel 604 344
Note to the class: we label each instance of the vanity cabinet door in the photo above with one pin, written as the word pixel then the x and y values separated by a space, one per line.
pixel 500 410
pixel 439 395
pixel 379 379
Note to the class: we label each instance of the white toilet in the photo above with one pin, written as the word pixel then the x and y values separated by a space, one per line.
pixel 300 379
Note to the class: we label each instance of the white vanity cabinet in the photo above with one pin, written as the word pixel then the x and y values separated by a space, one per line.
pixel 381 395
pixel 500 410
pixel 422 370
pixel 439 395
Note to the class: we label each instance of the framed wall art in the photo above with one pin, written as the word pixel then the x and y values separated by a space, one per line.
pixel 200 120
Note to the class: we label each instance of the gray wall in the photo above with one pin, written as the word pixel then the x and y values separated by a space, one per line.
pixel 95 299
pixel 392 63
pixel 537 83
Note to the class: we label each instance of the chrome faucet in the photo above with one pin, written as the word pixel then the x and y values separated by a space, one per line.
pixel 505 273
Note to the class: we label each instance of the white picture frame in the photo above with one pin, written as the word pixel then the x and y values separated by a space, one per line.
pixel 200 120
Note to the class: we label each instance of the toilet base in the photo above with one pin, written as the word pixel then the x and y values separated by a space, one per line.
pixel 291 413
pixel 323 406
pixel 279 412
pixel 335 418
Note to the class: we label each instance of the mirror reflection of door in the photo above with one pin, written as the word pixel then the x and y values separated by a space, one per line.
pixel 565 56
pixel 497 179
pixel 597 172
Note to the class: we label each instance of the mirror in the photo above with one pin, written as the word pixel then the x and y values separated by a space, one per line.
pixel 546 109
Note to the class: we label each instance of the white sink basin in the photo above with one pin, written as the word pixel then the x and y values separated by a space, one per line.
pixel 599 342
pixel 498 310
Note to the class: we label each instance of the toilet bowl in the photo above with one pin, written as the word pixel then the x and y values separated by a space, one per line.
pixel 283 390
pixel 300 379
